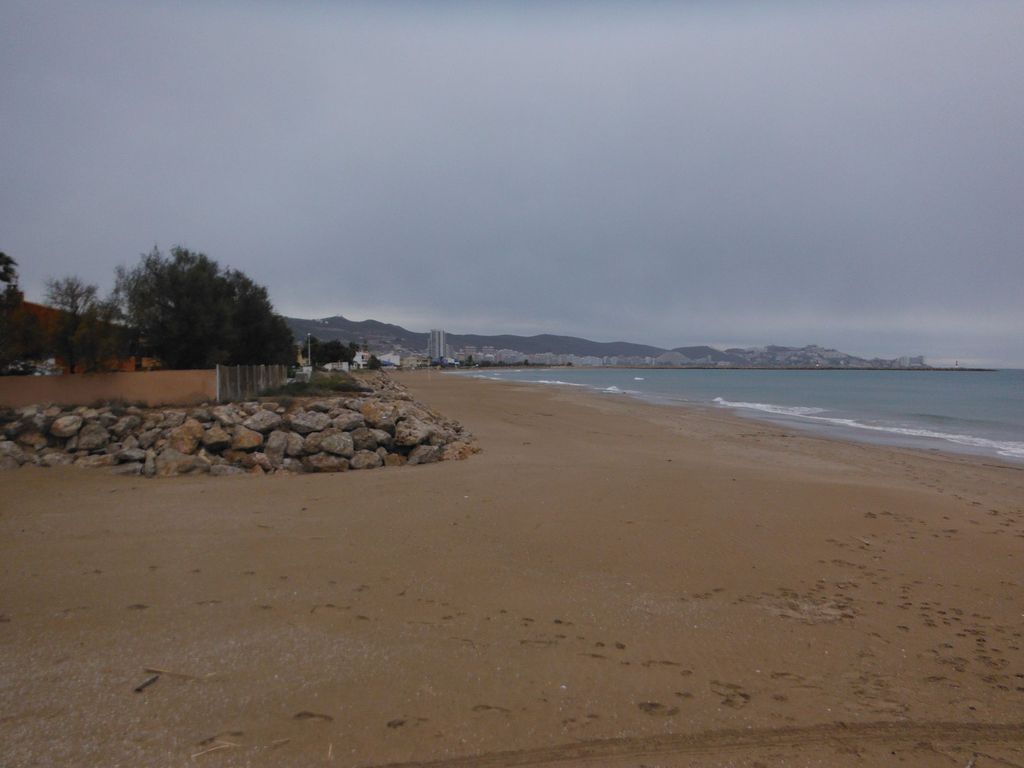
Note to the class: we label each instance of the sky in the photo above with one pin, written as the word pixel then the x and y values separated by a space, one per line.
pixel 671 173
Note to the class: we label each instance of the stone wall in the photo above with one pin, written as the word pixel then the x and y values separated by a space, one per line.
pixel 385 427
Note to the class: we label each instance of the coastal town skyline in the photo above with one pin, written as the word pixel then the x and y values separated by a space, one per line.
pixel 730 174
pixel 438 345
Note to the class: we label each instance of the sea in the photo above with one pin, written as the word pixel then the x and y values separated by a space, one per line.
pixel 978 412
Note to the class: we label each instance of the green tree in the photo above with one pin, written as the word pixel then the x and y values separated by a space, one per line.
pixel 256 335
pixel 335 351
pixel 101 338
pixel 74 328
pixel 10 302
pixel 190 313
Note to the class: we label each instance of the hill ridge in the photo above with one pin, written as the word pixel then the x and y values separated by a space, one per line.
pixel 387 336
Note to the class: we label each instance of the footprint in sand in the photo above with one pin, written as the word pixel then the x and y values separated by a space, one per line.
pixel 307 715
pixel 654 663
pixel 657 709
pixel 220 737
pixel 732 695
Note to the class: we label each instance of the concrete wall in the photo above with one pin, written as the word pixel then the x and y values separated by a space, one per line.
pixel 148 388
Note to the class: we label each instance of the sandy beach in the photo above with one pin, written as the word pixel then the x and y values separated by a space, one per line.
pixel 608 583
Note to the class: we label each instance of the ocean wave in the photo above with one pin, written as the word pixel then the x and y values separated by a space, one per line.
pixel 782 410
pixel 556 381
pixel 1006 448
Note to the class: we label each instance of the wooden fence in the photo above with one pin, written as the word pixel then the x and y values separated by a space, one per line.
pixel 238 382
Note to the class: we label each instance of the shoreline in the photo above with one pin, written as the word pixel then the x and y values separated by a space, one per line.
pixel 845 430
pixel 607 580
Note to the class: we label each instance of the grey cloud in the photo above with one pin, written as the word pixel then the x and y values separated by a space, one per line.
pixel 848 174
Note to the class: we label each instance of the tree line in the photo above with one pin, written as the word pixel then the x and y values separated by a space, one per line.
pixel 181 308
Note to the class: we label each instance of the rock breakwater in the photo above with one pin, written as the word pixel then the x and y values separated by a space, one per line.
pixel 380 427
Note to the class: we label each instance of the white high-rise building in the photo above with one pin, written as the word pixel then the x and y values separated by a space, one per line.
pixel 435 345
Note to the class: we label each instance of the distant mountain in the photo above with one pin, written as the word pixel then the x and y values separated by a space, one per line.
pixel 811 356
pixel 378 335
pixel 386 336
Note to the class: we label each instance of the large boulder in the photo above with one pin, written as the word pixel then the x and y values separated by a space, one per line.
pixel 125 425
pixel 305 422
pixel 33 439
pixel 172 419
pixel 457 451
pixel 96 460
pixel 226 415
pixel 247 439
pixel 348 420
pixel 363 439
pixel 14 428
pixel 56 459
pixel 128 455
pixel 277 444
pixel 186 437
pixel 202 413
pixel 425 454
pixel 441 437
pixel 259 459
pixel 10 450
pixel 92 437
pixel 150 436
pixel 311 442
pixel 412 432
pixel 263 421
pixel 131 468
pixel 384 439
pixel 216 438
pixel 378 412
pixel 296 445
pixel 338 443
pixel 220 470
pixel 174 462
pixel 365 460
pixel 324 462
pixel 66 426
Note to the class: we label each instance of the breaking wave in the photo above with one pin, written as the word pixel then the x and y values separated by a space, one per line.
pixel 1007 448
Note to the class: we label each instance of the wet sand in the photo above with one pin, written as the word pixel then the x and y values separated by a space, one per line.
pixel 609 583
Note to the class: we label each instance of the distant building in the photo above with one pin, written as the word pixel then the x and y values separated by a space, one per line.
pixel 436 348
pixel 414 361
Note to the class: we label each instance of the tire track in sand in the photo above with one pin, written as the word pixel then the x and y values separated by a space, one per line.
pixel 717 741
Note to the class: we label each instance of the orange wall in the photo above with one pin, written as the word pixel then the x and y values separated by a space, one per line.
pixel 148 388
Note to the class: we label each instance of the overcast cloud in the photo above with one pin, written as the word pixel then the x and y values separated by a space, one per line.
pixel 849 174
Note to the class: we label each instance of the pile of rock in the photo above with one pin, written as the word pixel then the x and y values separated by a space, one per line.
pixel 361 431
